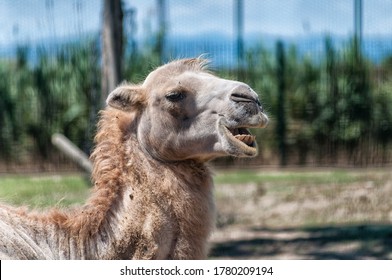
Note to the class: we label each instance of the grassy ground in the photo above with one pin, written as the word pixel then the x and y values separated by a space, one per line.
pixel 301 214
pixel 40 191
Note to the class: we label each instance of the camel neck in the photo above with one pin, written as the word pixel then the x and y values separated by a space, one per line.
pixel 130 190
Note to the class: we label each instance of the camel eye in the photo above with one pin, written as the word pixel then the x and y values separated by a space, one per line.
pixel 175 96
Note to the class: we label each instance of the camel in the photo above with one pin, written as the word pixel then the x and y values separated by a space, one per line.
pixel 152 194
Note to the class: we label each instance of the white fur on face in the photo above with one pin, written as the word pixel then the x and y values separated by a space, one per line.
pixel 198 126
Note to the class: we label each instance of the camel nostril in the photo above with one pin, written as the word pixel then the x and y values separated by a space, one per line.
pixel 242 97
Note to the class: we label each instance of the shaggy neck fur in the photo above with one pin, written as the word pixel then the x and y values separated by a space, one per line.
pixel 139 208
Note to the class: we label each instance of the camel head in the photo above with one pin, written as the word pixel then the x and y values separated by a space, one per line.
pixel 184 112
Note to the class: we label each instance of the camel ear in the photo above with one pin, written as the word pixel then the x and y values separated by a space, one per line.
pixel 126 97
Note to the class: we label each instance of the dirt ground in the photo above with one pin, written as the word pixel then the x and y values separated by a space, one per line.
pixel 351 220
pixel 338 242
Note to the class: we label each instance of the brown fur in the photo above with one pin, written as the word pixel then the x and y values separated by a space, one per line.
pixel 152 198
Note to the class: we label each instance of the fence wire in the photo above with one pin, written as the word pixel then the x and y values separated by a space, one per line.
pixel 50 58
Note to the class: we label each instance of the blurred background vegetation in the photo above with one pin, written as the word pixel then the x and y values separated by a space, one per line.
pixel 329 109
pixel 323 70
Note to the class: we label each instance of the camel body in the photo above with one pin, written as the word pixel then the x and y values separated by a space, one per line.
pixel 129 221
pixel 152 195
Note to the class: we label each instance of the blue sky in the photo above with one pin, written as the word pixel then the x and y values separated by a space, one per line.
pixel 31 20
pixel 283 17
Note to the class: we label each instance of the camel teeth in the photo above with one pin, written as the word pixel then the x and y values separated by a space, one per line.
pixel 247 139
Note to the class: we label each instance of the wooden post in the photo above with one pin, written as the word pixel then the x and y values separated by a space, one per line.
pixel 358 18
pixel 112 46
pixel 239 33
pixel 281 110
pixel 72 151
pixel 161 38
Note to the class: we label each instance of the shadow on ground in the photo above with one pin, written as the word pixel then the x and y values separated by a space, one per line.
pixel 338 242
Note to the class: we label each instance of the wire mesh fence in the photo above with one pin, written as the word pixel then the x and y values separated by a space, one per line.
pixel 337 99
pixel 196 27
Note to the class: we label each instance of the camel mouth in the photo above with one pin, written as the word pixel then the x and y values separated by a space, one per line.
pixel 242 134
pixel 242 142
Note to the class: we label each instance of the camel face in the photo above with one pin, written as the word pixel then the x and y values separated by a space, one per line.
pixel 188 113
